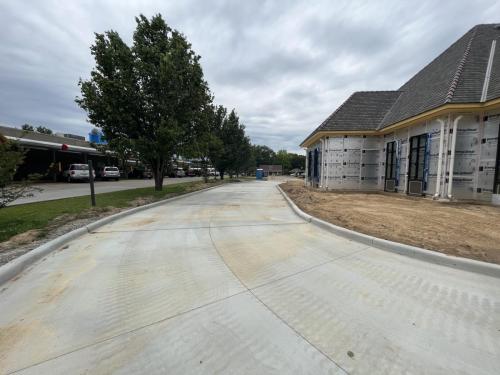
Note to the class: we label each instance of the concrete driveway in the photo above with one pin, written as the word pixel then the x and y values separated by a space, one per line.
pixel 58 190
pixel 231 281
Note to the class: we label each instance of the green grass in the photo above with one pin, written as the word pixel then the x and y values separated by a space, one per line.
pixel 24 217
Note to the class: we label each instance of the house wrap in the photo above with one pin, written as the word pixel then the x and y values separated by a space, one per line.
pixel 437 135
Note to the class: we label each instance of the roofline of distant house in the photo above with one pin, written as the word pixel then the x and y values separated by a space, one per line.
pixel 438 111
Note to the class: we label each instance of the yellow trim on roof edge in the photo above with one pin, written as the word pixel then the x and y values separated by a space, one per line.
pixel 439 111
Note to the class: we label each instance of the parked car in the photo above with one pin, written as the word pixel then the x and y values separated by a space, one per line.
pixel 192 172
pixel 108 173
pixel 77 172
pixel 179 172
pixel 140 173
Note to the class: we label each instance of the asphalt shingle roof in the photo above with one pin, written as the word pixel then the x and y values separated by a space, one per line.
pixel 494 86
pixel 363 110
pixel 456 76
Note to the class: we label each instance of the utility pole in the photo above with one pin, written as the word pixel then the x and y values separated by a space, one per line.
pixel 91 180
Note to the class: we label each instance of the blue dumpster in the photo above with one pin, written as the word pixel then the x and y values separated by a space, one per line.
pixel 259 174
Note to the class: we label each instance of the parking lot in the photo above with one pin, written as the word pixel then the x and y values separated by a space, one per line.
pixel 58 190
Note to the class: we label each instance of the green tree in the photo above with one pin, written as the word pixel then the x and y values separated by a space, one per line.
pixel 283 158
pixel 244 157
pixel 298 161
pixel 151 93
pixel 11 156
pixel 28 127
pixel 212 137
pixel 122 149
pixel 263 155
pixel 43 130
pixel 233 147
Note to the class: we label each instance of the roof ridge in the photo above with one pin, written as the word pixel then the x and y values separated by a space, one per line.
pixel 376 91
pixel 460 68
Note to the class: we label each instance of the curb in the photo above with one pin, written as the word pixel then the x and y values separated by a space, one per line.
pixel 10 270
pixel 464 264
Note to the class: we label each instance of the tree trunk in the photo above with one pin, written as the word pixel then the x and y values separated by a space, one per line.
pixel 204 170
pixel 158 172
pixel 221 175
pixel 158 182
pixel 123 163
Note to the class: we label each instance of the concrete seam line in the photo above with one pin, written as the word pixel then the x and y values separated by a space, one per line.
pixel 252 292
pixel 11 269
pixel 333 260
pixel 131 331
pixel 421 254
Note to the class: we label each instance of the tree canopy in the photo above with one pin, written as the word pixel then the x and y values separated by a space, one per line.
pixel 11 156
pixel 43 130
pixel 151 100
pixel 152 93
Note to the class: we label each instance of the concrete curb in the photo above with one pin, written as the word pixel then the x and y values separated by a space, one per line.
pixel 465 264
pixel 16 266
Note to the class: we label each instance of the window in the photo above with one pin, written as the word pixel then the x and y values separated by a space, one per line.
pixel 315 163
pixel 418 145
pixel 79 167
pixel 390 161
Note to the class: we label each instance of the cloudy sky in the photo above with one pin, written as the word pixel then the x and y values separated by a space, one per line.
pixel 283 65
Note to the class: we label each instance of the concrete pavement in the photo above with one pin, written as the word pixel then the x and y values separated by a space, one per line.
pixel 58 190
pixel 232 281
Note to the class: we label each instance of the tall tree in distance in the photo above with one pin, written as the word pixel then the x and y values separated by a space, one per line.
pixel 283 158
pixel 263 155
pixel 151 93
pixel 234 146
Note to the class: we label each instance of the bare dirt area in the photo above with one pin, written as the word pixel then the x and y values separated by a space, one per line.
pixel 462 229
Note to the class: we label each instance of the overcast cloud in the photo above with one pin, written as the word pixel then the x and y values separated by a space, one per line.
pixel 283 65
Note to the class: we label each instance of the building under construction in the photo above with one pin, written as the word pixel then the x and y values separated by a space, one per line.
pixel 436 136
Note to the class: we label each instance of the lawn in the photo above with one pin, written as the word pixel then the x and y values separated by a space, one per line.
pixel 21 218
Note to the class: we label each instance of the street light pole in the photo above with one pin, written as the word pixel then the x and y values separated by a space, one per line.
pixel 91 180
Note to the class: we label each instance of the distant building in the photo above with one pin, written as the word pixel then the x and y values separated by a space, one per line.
pixel 96 137
pixel 272 169
pixel 49 155
pixel 71 136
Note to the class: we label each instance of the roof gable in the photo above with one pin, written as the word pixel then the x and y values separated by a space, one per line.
pixel 362 111
pixel 456 76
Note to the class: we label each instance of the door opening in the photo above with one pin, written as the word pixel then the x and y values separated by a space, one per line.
pixel 418 146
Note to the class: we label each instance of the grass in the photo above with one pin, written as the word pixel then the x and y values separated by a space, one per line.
pixel 24 217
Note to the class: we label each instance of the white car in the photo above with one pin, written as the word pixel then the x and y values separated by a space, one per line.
pixel 179 172
pixel 109 173
pixel 77 172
